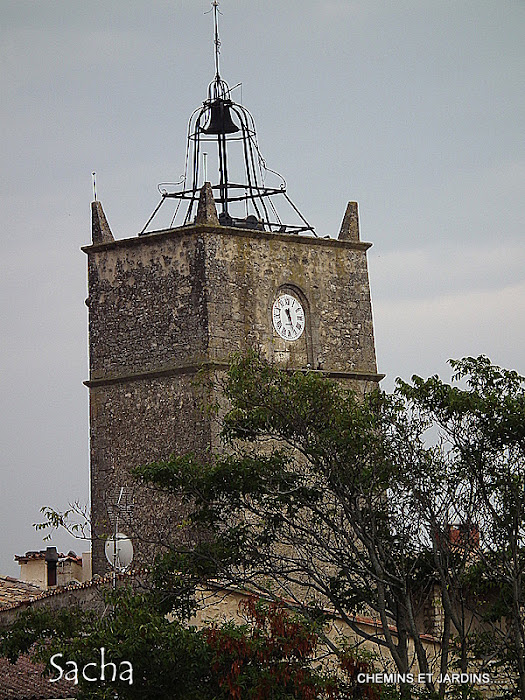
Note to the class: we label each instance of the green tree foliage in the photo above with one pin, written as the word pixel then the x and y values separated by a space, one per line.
pixel 169 659
pixel 344 505
pixel 339 501
pixel 309 501
pixel 481 419
pixel 267 658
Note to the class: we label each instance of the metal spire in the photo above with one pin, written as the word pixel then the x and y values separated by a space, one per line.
pixel 241 192
pixel 217 41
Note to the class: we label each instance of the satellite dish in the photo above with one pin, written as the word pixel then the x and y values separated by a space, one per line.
pixel 119 551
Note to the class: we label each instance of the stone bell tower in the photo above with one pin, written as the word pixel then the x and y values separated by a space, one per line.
pixel 168 308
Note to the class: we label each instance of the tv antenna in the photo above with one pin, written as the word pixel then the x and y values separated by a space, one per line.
pixel 119 548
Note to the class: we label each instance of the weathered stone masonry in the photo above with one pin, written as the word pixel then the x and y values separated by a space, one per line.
pixel 164 305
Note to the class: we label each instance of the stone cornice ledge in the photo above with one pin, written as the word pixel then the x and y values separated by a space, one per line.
pixel 192 368
pixel 192 229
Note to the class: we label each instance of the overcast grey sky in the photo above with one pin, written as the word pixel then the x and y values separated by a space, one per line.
pixel 414 108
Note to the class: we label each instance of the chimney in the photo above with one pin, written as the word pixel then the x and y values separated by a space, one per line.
pixel 464 536
pixel 51 559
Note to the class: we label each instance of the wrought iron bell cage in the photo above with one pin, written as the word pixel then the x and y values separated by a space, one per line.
pixel 242 196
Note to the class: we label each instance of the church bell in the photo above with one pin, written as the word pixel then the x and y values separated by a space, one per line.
pixel 221 121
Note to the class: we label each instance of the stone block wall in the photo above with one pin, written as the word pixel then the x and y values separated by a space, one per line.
pixel 245 271
pixel 164 306
pixel 147 304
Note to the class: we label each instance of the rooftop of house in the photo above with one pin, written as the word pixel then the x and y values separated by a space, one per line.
pixel 13 591
pixel 19 595
pixel 23 680
pixel 41 555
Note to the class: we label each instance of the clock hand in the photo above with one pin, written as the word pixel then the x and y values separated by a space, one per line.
pixel 289 316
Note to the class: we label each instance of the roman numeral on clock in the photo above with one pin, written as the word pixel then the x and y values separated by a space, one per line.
pixel 288 317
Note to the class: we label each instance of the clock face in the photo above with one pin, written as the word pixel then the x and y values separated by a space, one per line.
pixel 288 317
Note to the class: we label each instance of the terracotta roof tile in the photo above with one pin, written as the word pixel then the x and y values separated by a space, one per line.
pixel 14 591
pixel 41 555
pixel 24 681
pixel 40 593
